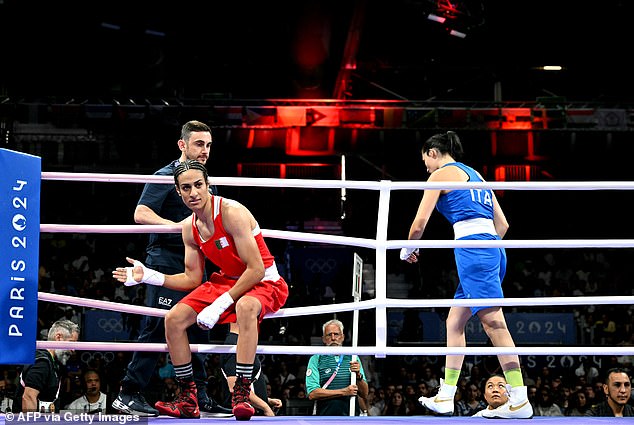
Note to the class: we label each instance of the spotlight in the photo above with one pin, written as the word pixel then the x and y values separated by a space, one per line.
pixel 436 18
pixel 457 34
pixel 110 26
pixel 552 67
pixel 154 33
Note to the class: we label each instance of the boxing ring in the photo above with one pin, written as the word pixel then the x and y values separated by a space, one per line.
pixel 381 246
pixel 341 420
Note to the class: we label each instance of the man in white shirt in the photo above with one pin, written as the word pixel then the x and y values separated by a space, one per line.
pixel 93 400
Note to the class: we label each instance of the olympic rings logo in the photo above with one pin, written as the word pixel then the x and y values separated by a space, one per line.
pixel 110 325
pixel 321 265
pixel 87 357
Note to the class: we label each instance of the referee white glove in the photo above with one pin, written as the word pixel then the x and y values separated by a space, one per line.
pixel 406 252
pixel 151 277
pixel 208 317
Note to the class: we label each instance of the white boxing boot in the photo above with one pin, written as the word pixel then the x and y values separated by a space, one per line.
pixel 443 401
pixel 518 406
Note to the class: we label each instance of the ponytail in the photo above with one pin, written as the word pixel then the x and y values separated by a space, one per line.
pixel 445 143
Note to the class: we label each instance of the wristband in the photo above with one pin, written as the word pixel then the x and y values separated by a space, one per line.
pixel 150 276
pixel 406 252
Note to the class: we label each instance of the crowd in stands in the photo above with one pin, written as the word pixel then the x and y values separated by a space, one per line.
pixel 571 394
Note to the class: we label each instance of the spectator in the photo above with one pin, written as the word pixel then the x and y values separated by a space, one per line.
pixel 171 389
pixel 165 367
pixel 617 390
pixel 396 406
pixel 372 375
pixel 471 402
pixel 532 395
pixel 578 404
pixel 93 400
pixel 285 376
pixel 370 399
pixel 562 397
pixel 73 385
pixel 422 389
pixel 71 314
pixel 377 406
pixel 546 377
pixel 495 394
pixel 5 402
pixel 328 377
pixel 587 369
pixel 546 405
pixel 412 406
pixel 476 376
pixel 429 378
pixel 605 329
pixel 597 388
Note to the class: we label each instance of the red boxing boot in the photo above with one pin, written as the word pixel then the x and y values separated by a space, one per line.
pixel 242 409
pixel 185 405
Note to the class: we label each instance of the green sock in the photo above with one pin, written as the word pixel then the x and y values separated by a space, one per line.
pixel 451 376
pixel 514 377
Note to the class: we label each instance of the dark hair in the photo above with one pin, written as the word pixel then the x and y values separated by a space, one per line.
pixel 192 126
pixel 483 383
pixel 189 164
pixel 445 143
pixel 91 371
pixel 616 370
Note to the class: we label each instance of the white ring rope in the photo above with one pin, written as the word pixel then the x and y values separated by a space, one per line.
pixel 380 303
pixel 358 350
pixel 359 242
pixel 360 305
pixel 345 307
pixel 349 184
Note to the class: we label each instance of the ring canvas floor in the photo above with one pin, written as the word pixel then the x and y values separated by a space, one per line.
pixel 375 420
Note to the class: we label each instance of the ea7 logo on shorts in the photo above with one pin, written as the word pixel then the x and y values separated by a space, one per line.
pixel 165 301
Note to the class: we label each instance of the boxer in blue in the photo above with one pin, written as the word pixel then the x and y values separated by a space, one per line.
pixel 474 214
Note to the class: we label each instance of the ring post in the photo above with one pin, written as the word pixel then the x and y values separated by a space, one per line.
pixel 357 282
pixel 20 182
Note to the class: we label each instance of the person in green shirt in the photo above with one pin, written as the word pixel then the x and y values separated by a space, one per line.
pixel 328 377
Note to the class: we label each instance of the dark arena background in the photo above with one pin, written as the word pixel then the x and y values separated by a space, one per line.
pixel 538 91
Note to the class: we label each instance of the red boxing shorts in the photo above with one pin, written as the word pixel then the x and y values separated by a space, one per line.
pixel 271 294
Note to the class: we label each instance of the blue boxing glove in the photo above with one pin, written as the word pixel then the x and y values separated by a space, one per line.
pixel 151 277
pixel 208 317
pixel 406 252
